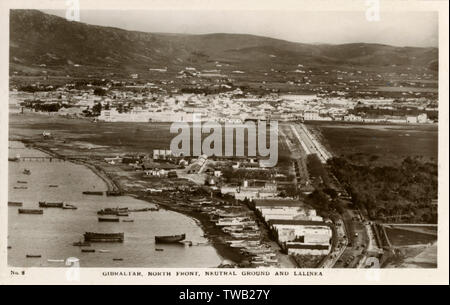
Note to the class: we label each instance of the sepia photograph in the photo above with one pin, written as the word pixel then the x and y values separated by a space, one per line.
pixel 224 139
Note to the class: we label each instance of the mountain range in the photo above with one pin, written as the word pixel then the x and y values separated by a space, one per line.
pixel 38 39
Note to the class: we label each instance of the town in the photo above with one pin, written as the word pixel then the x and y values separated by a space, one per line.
pixel 346 177
pixel 139 101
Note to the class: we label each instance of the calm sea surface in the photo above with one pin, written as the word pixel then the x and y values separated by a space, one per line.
pixel 52 234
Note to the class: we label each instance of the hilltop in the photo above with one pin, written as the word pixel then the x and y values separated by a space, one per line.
pixel 42 40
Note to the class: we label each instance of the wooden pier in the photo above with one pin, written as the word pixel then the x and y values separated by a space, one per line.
pixel 41 159
pixel 52 159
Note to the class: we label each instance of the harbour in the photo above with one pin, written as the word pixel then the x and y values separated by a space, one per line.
pixel 57 234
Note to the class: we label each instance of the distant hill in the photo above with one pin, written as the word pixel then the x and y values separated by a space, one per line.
pixel 37 39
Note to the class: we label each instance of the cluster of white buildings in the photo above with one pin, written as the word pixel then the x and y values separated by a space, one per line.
pixel 269 190
pixel 124 104
pixel 227 107
pixel 298 229
pixel 411 119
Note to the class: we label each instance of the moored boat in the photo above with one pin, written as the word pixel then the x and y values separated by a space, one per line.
pixel 43 204
pixel 104 237
pixel 114 211
pixel 31 211
pixel 170 239
pixel 93 193
pixel 88 250
pixel 155 209
pixel 81 244
pixel 69 207
pixel 14 204
pixel 113 193
pixel 33 255
pixel 26 172
pixel 108 219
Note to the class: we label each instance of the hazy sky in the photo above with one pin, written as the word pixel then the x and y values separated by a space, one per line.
pixel 400 29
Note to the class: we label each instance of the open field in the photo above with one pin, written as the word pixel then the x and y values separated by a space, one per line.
pixel 391 143
pixel 423 256
pixel 108 138
pixel 399 237
pixel 121 137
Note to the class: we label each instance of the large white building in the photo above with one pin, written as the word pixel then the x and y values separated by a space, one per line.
pixel 140 115
pixel 304 249
pixel 301 231
pixel 298 229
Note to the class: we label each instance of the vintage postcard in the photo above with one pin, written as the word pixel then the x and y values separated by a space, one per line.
pixel 224 142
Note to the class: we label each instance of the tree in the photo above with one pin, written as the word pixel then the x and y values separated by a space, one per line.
pixel 99 91
pixel 97 109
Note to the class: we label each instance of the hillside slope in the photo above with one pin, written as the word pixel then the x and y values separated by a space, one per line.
pixel 37 38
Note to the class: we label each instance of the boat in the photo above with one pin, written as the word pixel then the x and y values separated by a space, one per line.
pixel 53 185
pixel 108 219
pixel 238 241
pixel 104 251
pixel 123 214
pixel 104 237
pixel 236 221
pixel 31 211
pixel 55 260
pixel 114 211
pixel 69 207
pixel 169 239
pixel 33 255
pixel 81 244
pixel 88 250
pixel 158 249
pixel 107 212
pixel 128 220
pixel 271 260
pixel 22 182
pixel 93 193
pixel 238 245
pixel 20 188
pixel 26 172
pixel 117 259
pixel 14 159
pixel 113 193
pixel 145 210
pixel 9 247
pixel 14 204
pixel 43 204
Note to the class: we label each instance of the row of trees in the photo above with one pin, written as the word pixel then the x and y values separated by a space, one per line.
pixel 387 191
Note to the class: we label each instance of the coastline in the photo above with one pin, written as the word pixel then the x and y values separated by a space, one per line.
pixel 211 233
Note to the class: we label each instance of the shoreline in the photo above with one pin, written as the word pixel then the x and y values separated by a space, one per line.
pixel 211 233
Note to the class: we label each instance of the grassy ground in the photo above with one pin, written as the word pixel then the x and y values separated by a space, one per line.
pixel 399 237
pixel 120 136
pixel 391 143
